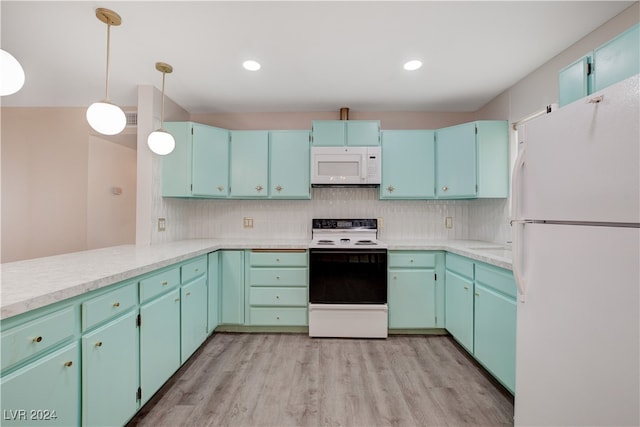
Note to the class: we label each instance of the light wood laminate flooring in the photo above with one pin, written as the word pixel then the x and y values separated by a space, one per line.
pixel 294 380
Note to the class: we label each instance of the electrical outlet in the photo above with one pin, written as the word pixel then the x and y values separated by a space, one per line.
pixel 448 222
pixel 162 224
pixel 247 222
pixel 380 223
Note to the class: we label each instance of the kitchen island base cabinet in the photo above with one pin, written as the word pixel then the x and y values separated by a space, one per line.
pixel 45 392
pixel 110 372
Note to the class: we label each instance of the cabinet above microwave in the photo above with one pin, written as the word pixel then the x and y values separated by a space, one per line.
pixel 339 133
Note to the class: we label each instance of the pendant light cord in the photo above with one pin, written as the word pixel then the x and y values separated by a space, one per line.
pixel 162 111
pixel 106 95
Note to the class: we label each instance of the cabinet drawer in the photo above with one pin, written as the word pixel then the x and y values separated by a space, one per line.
pixel 278 296
pixel 109 305
pixel 286 316
pixel 36 336
pixel 275 259
pixel 417 259
pixel 279 277
pixel 460 265
pixel 158 283
pixel 497 278
pixel 194 269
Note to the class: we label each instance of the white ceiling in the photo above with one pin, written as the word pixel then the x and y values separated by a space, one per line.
pixel 316 56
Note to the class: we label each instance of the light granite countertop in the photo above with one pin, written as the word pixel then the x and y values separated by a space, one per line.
pixel 31 284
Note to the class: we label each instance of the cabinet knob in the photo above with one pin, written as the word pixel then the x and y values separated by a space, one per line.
pixel 197 269
pixel 37 339
pixel 176 300
pixel 411 260
pixel 277 277
pixel 279 188
pixel 99 344
pixel 466 288
pixel 220 188
pixel 277 296
pixel 277 317
pixel 445 188
pixel 390 188
pixel 395 277
pixel 258 188
pixel 68 364
pixel 477 294
pixel 116 304
pixel 165 283
pixel 188 293
pixel 277 259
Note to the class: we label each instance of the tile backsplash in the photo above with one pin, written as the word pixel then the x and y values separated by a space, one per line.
pixel 483 219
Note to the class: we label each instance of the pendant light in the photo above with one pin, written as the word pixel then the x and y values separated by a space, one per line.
pixel 105 117
pixel 160 141
pixel 11 74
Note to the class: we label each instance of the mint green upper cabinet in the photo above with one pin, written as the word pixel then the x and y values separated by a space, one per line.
pixel 456 170
pixel 289 165
pixel 346 132
pixel 574 81
pixel 250 164
pixel 617 59
pixel 199 164
pixel 49 386
pixel 408 164
pixel 110 372
pixel 232 287
pixel 492 140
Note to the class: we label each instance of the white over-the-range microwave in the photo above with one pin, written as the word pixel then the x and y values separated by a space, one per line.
pixel 345 165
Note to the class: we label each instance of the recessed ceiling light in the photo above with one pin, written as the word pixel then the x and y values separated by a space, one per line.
pixel 412 65
pixel 251 65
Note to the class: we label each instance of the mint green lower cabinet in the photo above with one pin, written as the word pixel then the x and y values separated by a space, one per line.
pixel 459 308
pixel 193 298
pixel 412 299
pixel 213 314
pixel 495 334
pixel 408 164
pixel 232 287
pixel 45 392
pixel 110 372
pixel 159 342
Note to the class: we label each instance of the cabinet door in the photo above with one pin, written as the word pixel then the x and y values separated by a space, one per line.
pixel 363 133
pixel 213 315
pixel 193 298
pixel 159 342
pixel 45 392
pixel 495 334
pixel 328 133
pixel 459 309
pixel 492 141
pixel 249 164
pixel 176 166
pixel 617 59
pixel 232 287
pixel 289 165
pixel 210 176
pixel 408 164
pixel 110 372
pixel 573 81
pixel 412 299
pixel 456 161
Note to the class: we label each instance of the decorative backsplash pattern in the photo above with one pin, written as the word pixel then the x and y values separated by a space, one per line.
pixel 483 219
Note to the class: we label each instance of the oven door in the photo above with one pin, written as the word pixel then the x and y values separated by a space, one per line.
pixel 348 276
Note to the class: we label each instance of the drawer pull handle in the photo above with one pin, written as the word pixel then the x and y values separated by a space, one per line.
pixel 68 364
pixel 165 283
pixel 99 344
pixel 445 188
pixel 116 304
pixel 37 339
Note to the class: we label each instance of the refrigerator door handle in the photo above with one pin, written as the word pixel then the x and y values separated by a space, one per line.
pixel 517 224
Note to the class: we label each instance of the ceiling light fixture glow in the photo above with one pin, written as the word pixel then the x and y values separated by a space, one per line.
pixel 412 65
pixel 160 141
pixel 251 65
pixel 11 74
pixel 104 116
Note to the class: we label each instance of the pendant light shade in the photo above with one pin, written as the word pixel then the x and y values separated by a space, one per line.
pixel 105 117
pixel 11 74
pixel 160 141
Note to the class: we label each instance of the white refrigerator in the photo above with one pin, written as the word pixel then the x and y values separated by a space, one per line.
pixel 576 259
